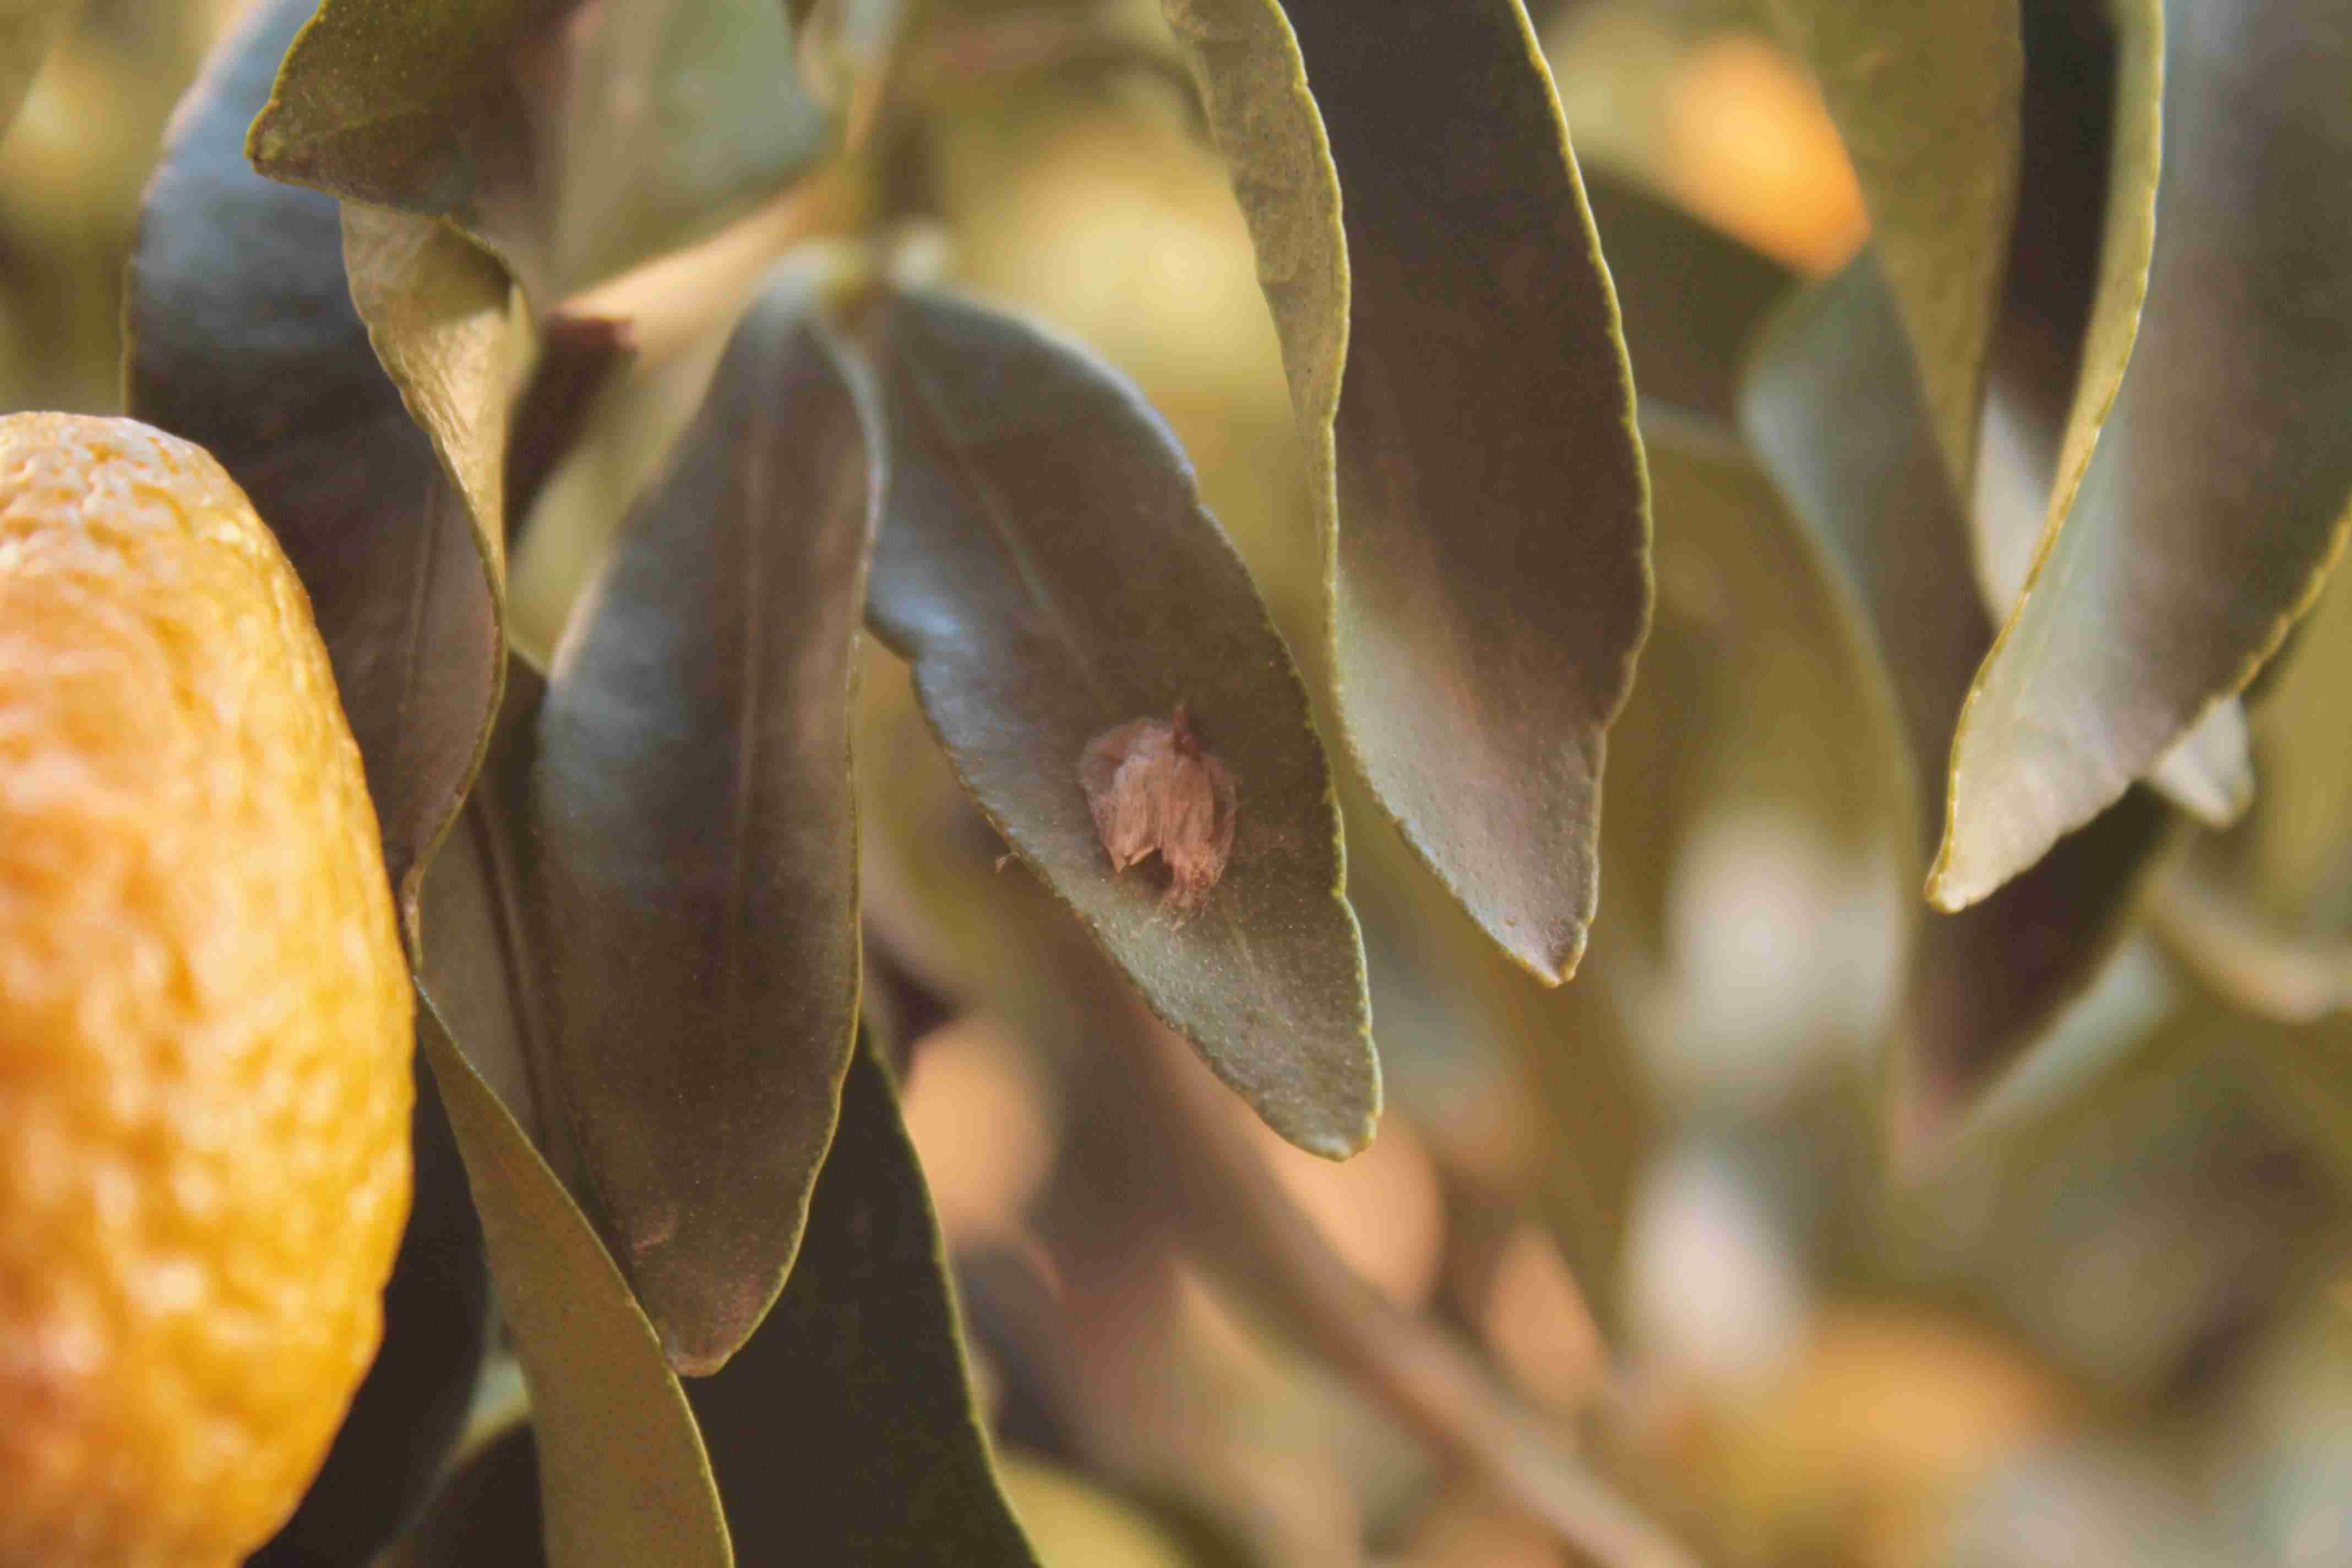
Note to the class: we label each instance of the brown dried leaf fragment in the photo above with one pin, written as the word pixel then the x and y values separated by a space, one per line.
pixel 1153 788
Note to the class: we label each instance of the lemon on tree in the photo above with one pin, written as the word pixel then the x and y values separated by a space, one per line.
pixel 204 1021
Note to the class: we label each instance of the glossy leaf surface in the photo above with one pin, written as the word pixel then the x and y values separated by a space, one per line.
pixel 1492 581
pixel 1925 94
pixel 1046 569
pixel 242 337
pixel 1832 409
pixel 691 794
pixel 572 137
pixel 845 1430
pixel 2156 598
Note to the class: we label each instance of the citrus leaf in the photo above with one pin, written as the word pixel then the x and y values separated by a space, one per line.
pixel 436 308
pixel 1832 406
pixel 409 1411
pixel 242 337
pixel 1467 413
pixel 1047 570
pixel 2156 598
pixel 1689 295
pixel 1925 95
pixel 2093 77
pixel 691 801
pixel 1079 1522
pixel 27 30
pixel 843 1430
pixel 590 1356
pixel 572 138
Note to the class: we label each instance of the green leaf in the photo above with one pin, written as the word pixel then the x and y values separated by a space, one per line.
pixel 2156 598
pixel 1466 410
pixel 1832 406
pixel 1046 568
pixel 845 1430
pixel 692 804
pixel 572 138
pixel 1690 296
pixel 594 1366
pixel 407 1415
pixel 242 337
pixel 1080 1525
pixel 437 312
pixel 29 28
pixel 2078 272
pixel 1925 95
pixel 590 1354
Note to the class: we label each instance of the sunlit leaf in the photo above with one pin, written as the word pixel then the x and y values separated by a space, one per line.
pixel 242 337
pixel 572 137
pixel 589 1354
pixel 1925 95
pixel 2156 597
pixel 1463 394
pixel 843 1430
pixel 1048 571
pixel 691 797
pixel 28 30
pixel 1832 407
pixel 407 1413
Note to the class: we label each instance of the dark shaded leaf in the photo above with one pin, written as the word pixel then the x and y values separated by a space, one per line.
pixel 1047 570
pixel 588 1353
pixel 242 337
pixel 1689 295
pixel 1831 406
pixel 1925 94
pixel 691 795
pixel 407 1413
pixel 1492 581
pixel 2156 598
pixel 844 1431
pixel 579 356
pixel 2077 274
pixel 572 138
pixel 27 30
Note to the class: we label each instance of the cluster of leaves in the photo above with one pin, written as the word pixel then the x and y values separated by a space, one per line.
pixel 1975 548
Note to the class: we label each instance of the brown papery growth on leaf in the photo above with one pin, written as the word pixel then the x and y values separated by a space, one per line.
pixel 1152 788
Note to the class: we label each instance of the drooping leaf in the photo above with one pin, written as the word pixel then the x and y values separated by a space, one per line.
pixel 2077 274
pixel 2156 597
pixel 407 1415
pixel 242 337
pixel 572 138
pixel 1830 405
pixel 843 1430
pixel 1925 95
pixel 27 30
pixel 587 1349
pixel 1045 567
pixel 589 1354
pixel 1466 410
pixel 691 795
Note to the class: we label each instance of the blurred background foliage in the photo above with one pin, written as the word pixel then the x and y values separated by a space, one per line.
pixel 2112 1324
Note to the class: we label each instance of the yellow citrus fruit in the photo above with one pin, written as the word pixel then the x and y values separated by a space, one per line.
pixel 204 1021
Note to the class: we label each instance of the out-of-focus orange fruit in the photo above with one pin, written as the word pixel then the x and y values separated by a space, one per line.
pixel 204 1020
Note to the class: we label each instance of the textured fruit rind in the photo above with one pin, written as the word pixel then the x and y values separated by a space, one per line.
pixel 204 1020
